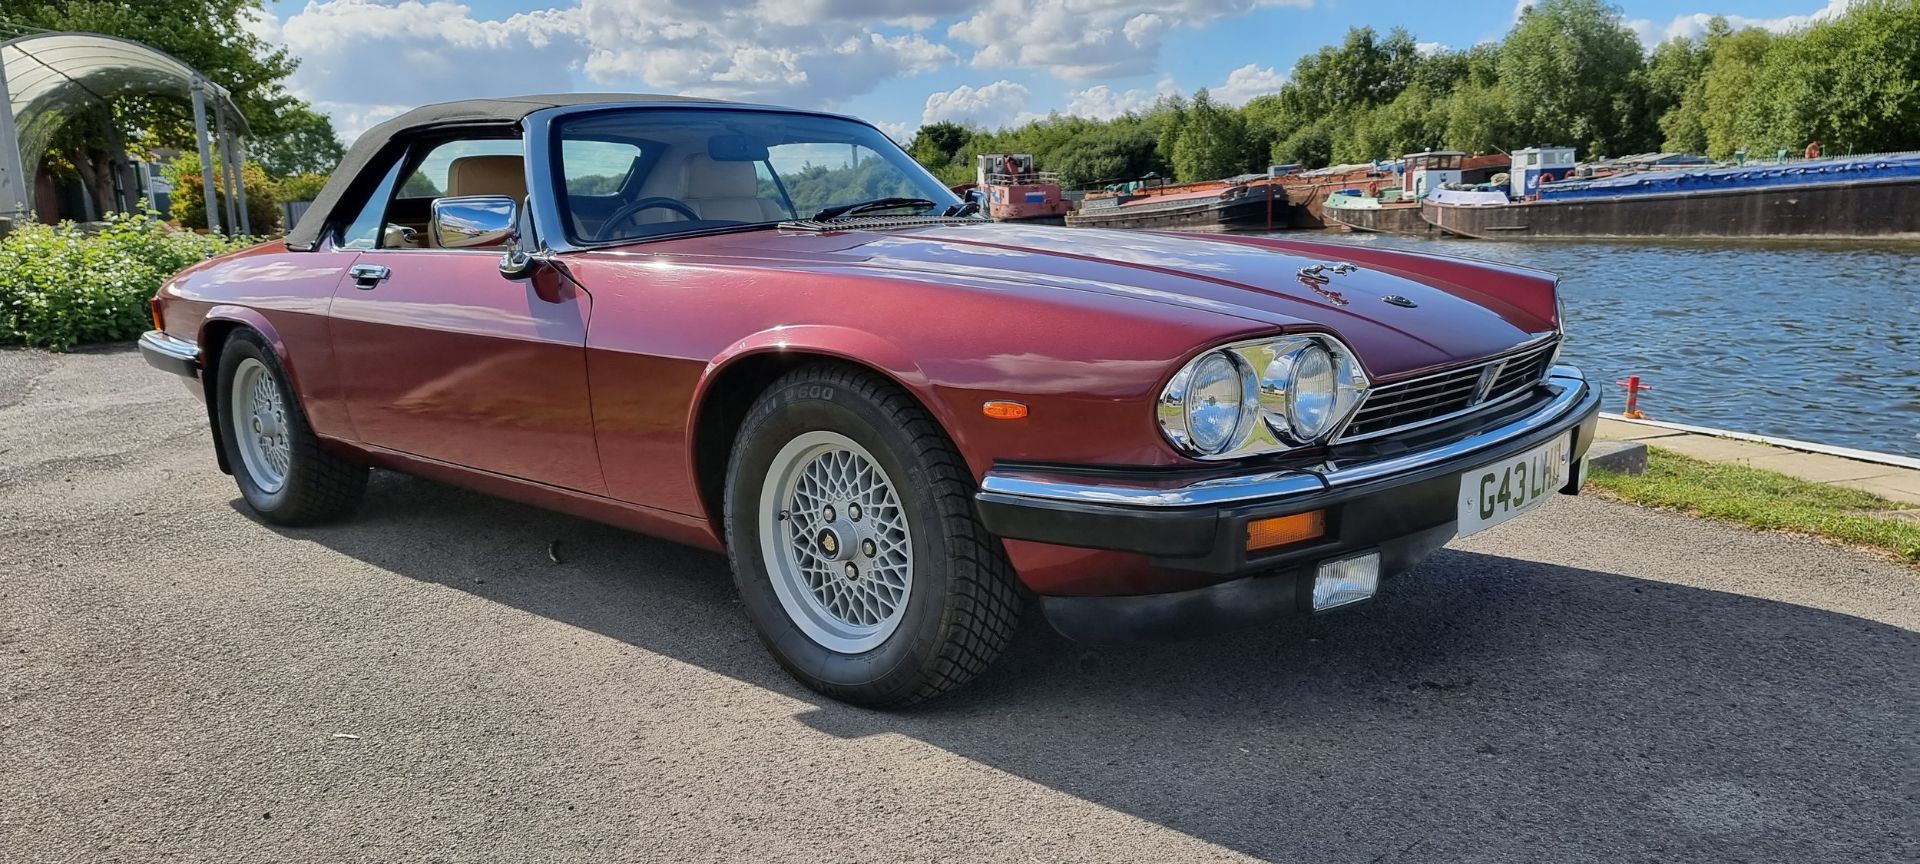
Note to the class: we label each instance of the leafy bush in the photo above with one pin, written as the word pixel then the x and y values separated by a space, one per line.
pixel 189 198
pixel 299 187
pixel 61 287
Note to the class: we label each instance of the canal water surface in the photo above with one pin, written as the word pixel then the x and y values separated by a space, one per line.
pixel 1819 343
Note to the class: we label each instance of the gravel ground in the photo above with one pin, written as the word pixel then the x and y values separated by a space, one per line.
pixel 1592 683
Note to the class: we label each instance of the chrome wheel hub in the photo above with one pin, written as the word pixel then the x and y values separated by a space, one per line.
pixel 259 412
pixel 836 542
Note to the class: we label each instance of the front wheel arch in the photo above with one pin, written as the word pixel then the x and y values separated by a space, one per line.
pixel 730 388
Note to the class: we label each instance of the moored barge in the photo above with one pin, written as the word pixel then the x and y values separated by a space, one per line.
pixel 1222 205
pixel 1847 198
pixel 1397 210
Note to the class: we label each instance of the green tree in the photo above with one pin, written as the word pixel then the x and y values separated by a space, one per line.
pixel 307 146
pixel 1212 142
pixel 1852 83
pixel 1734 64
pixel 1675 82
pixel 1415 120
pixel 939 144
pixel 1570 69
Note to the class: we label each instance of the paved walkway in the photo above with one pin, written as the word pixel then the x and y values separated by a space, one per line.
pixel 1895 478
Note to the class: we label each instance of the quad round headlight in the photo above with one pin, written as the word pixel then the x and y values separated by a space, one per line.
pixel 1216 402
pixel 1261 397
pixel 1313 394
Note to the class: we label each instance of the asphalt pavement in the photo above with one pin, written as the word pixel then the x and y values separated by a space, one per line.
pixel 1591 682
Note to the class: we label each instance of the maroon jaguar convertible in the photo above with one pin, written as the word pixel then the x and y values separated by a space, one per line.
pixel 770 332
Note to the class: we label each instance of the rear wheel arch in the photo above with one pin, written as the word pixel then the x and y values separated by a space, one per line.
pixel 729 390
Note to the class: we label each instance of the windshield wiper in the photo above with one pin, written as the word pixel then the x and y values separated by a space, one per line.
pixel 840 210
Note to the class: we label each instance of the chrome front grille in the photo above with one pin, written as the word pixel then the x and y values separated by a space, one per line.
pixel 1432 398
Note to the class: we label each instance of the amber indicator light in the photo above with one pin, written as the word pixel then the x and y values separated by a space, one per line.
pixel 1281 530
pixel 153 306
pixel 1003 410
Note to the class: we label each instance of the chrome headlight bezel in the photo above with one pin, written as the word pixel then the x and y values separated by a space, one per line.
pixel 1268 396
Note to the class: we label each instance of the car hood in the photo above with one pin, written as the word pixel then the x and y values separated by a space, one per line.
pixel 1399 317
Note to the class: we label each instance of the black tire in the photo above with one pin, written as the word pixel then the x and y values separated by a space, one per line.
pixel 963 605
pixel 319 486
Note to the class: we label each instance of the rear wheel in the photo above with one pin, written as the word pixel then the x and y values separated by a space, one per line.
pixel 850 524
pixel 277 461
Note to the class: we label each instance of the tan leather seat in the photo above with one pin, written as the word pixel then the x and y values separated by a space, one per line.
pixel 488 175
pixel 727 190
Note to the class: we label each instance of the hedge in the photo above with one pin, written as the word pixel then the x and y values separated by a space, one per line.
pixel 61 287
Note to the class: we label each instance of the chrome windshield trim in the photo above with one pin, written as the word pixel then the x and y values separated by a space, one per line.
pixel 1571 396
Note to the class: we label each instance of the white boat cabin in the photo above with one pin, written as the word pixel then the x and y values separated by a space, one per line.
pixel 1534 165
pixel 1426 171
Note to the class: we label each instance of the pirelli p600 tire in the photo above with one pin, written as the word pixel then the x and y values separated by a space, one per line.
pixel 282 471
pixel 851 529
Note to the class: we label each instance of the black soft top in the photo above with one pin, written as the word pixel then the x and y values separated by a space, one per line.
pixel 507 109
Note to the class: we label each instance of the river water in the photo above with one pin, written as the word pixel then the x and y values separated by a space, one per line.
pixel 1819 343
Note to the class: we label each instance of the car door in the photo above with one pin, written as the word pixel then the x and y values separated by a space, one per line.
pixel 443 357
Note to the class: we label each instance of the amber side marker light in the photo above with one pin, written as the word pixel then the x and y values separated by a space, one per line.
pixel 159 322
pixel 1003 410
pixel 1281 530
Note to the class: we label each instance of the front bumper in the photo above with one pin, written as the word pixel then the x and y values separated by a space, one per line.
pixel 1403 504
pixel 171 353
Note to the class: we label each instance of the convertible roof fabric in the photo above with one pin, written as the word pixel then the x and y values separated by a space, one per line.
pixel 507 109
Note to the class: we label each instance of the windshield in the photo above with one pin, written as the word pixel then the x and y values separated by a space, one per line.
pixel 648 172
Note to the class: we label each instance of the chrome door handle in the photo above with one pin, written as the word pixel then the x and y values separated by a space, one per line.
pixel 366 276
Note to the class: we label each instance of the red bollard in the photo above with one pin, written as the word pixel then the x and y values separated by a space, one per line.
pixel 1634 389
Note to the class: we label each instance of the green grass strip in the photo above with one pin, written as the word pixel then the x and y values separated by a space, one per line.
pixel 1766 500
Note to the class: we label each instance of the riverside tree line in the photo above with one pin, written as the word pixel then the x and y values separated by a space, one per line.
pixel 1570 72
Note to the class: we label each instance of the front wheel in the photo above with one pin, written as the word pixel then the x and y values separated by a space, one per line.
pixel 854 544
pixel 283 472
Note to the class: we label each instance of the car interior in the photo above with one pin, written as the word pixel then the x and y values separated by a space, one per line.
pixel 691 180
pixel 617 185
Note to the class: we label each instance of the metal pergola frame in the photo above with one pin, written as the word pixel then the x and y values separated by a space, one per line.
pixel 59 70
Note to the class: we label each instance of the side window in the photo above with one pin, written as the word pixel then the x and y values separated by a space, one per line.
pixel 597 168
pixel 432 178
pixel 364 231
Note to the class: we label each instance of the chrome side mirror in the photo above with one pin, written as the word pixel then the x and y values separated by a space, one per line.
pixel 473 220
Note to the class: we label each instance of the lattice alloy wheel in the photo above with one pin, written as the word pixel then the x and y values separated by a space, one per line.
pixel 837 543
pixel 260 427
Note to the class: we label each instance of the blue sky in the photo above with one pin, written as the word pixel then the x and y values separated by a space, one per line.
pixel 896 62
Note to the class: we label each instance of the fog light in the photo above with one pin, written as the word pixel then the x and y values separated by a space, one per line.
pixel 1281 530
pixel 1348 580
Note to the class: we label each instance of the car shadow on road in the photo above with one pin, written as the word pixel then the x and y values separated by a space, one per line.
pixel 1486 708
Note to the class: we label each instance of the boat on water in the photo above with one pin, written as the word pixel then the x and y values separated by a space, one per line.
pixel 1311 189
pixel 1839 198
pixel 1397 210
pixel 1016 192
pixel 1252 202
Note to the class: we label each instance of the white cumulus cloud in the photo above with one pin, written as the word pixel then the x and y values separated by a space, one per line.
pixel 989 105
pixel 1693 25
pixel 1081 39
pixel 363 61
pixel 1247 82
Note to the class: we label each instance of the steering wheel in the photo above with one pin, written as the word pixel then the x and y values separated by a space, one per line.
pixel 629 210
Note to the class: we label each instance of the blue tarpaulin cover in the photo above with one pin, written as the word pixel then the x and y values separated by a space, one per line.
pixel 1846 170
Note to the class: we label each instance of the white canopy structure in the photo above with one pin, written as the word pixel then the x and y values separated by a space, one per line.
pixel 47 79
